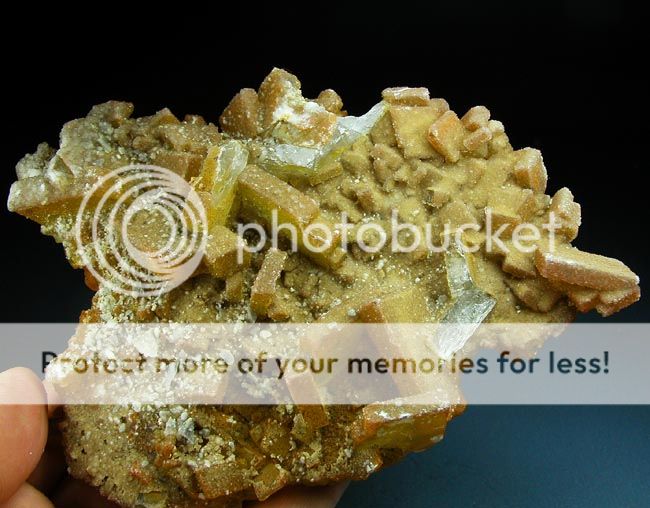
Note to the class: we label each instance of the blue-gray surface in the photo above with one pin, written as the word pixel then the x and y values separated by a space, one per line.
pixel 525 456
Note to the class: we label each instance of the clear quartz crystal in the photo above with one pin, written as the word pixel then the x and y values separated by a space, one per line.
pixel 231 161
pixel 347 130
pixel 468 308
pixel 222 167
pixel 350 128
pixel 283 155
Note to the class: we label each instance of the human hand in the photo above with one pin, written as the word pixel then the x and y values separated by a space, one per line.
pixel 32 465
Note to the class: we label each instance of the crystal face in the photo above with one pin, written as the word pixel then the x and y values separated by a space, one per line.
pixel 283 157
pixel 469 306
pixel 221 168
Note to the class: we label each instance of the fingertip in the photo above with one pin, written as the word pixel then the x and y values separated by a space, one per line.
pixel 23 427
pixel 20 386
pixel 27 497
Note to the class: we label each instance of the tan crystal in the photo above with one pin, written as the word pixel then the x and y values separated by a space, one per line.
pixel 405 96
pixel 264 287
pixel 477 139
pixel 530 170
pixel 446 136
pixel 567 213
pixel 241 117
pixel 411 124
pixel 221 252
pixel 476 118
pixel 569 265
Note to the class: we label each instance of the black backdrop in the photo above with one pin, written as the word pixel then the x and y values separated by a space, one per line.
pixel 566 77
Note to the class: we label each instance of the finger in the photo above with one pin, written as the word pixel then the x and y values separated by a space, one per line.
pixel 51 469
pixel 23 428
pixel 77 494
pixel 304 497
pixel 27 497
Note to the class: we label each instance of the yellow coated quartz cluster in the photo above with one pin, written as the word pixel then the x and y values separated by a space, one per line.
pixel 412 167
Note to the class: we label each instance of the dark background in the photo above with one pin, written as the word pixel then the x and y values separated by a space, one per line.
pixel 566 77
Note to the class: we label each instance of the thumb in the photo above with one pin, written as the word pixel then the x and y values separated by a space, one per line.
pixel 23 427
